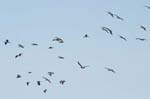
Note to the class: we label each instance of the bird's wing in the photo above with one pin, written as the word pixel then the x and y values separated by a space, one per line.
pixel 79 64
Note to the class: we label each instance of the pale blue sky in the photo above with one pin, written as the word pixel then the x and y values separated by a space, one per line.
pixel 39 21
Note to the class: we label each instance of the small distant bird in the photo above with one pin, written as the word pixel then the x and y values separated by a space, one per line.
pixel 81 66
pixel 85 36
pixel 18 76
pixel 6 42
pixel 110 13
pixel 45 90
pixel 144 28
pixel 34 44
pixel 29 72
pixel 122 37
pixel 21 46
pixel 148 7
pixel 107 30
pixel 109 69
pixel 62 82
pixel 118 17
pixel 38 83
pixel 50 73
pixel 60 57
pixel 27 83
pixel 20 54
pixel 141 39
pixel 46 79
pixel 50 47
pixel 58 39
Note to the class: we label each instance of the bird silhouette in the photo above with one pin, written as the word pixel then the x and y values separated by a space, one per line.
pixel 20 54
pixel 109 69
pixel 38 83
pixel 142 27
pixel 21 46
pixel 34 44
pixel 18 76
pixel 62 82
pixel 122 37
pixel 58 39
pixel 81 66
pixel 29 72
pixel 60 57
pixel 85 36
pixel 6 42
pixel 118 17
pixel 107 30
pixel 110 13
pixel 27 83
pixel 50 73
pixel 141 39
pixel 45 90
pixel 46 79
pixel 50 47
pixel 148 7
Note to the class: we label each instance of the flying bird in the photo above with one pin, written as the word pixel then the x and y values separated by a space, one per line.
pixel 109 69
pixel 50 73
pixel 60 57
pixel 85 36
pixel 62 82
pixel 50 47
pixel 29 72
pixel 81 66
pixel 34 44
pixel 141 39
pixel 58 40
pixel 110 13
pixel 18 76
pixel 118 17
pixel 46 79
pixel 38 83
pixel 148 7
pixel 142 27
pixel 122 37
pixel 107 30
pixel 27 83
pixel 45 90
pixel 20 54
pixel 21 46
pixel 6 42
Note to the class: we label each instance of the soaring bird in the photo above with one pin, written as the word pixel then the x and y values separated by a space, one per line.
pixel 107 30
pixel 34 44
pixel 38 83
pixel 148 7
pixel 81 66
pixel 142 27
pixel 60 57
pixel 27 83
pixel 29 72
pixel 50 73
pixel 109 69
pixel 6 42
pixel 141 39
pixel 45 90
pixel 21 46
pixel 122 37
pixel 18 76
pixel 62 82
pixel 46 79
pixel 85 36
pixel 58 40
pixel 20 54
pixel 50 47
pixel 110 13
pixel 118 17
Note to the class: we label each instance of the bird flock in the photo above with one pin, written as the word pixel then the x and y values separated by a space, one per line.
pixel 78 63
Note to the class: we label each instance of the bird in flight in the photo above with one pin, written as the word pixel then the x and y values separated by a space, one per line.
pixel 29 72
pixel 45 90
pixel 50 47
pixel 46 79
pixel 62 82
pixel 38 83
pixel 6 42
pixel 18 76
pixel 20 54
pixel 58 40
pixel 50 73
pixel 110 13
pixel 148 7
pixel 122 37
pixel 107 30
pixel 118 17
pixel 141 39
pixel 85 36
pixel 21 46
pixel 27 83
pixel 142 27
pixel 81 66
pixel 109 69
pixel 34 44
pixel 60 57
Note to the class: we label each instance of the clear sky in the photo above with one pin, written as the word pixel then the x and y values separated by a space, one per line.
pixel 39 21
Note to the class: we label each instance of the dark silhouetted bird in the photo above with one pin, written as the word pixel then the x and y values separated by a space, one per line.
pixel 47 79
pixel 27 83
pixel 110 13
pixel 60 57
pixel 62 82
pixel 118 17
pixel 21 46
pixel 107 30
pixel 34 44
pixel 20 54
pixel 29 72
pixel 45 90
pixel 58 39
pixel 50 73
pixel 6 42
pixel 141 39
pixel 18 76
pixel 85 36
pixel 142 27
pixel 81 66
pixel 50 47
pixel 122 37
pixel 148 7
pixel 109 69
pixel 38 83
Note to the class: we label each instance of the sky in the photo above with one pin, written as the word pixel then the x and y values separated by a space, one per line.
pixel 39 21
